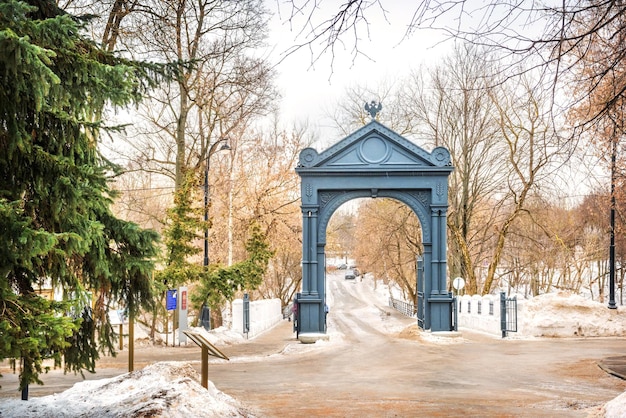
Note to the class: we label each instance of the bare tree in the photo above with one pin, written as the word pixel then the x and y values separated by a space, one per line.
pixel 261 187
pixel 452 107
pixel 144 198
pixel 533 149
pixel 543 253
pixel 601 72
pixel 220 83
pixel 341 234
pixel 389 240
pixel 327 36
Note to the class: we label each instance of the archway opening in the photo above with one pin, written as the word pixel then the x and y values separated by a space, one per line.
pixel 380 238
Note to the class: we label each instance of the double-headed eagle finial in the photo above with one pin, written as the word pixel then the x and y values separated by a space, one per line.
pixel 373 108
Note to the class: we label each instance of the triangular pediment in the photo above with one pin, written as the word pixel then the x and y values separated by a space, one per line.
pixel 374 147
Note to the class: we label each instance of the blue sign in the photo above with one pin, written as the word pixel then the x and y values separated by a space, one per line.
pixel 171 300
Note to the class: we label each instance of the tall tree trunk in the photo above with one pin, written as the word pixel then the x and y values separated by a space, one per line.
pixel 466 260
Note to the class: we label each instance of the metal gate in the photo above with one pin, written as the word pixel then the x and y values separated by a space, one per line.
pixel 246 314
pixel 508 314
pixel 454 326
pixel 296 314
pixel 420 292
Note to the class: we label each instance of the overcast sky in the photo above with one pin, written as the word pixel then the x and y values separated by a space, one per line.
pixel 310 88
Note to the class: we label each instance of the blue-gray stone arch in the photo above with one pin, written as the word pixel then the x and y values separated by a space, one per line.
pixel 374 162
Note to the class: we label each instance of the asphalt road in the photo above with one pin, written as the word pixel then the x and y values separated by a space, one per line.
pixel 369 369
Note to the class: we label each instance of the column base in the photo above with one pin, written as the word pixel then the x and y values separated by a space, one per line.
pixel 312 337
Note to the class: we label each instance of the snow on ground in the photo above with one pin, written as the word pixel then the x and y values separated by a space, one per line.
pixel 172 389
pixel 220 336
pixel 166 389
pixel 616 408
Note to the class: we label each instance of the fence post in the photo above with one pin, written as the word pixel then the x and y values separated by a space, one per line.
pixel 455 314
pixel 246 314
pixel 503 313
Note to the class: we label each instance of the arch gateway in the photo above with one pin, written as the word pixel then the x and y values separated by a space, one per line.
pixel 374 161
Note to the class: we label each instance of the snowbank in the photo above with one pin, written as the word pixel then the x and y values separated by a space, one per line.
pixel 166 390
pixel 566 315
pixel 616 408
pixel 559 314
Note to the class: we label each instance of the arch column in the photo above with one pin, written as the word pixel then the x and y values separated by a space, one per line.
pixel 311 312
pixel 439 299
pixel 310 285
pixel 428 273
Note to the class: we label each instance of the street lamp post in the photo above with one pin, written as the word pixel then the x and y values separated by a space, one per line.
pixel 212 150
pixel 612 304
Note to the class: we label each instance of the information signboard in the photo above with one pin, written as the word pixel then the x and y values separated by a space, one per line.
pixel 171 299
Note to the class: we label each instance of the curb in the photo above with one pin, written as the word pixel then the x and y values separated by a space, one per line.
pixel 615 366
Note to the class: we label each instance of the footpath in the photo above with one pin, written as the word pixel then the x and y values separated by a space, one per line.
pixel 270 342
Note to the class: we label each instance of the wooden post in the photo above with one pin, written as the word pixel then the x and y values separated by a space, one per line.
pixel 205 366
pixel 121 337
pixel 206 348
pixel 25 388
pixel 131 344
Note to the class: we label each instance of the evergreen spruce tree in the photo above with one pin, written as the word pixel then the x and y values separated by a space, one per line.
pixel 219 283
pixel 183 224
pixel 56 226
pixel 179 235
